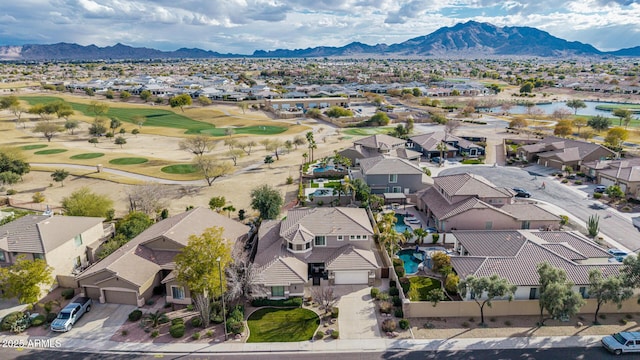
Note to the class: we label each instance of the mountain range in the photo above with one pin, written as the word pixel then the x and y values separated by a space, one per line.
pixel 464 40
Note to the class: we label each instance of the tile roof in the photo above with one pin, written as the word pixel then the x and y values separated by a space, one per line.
pixel 566 154
pixel 491 243
pixel 630 174
pixel 136 262
pixel 349 257
pixel 585 247
pixel 471 185
pixel 39 234
pixel 381 165
pixel 442 209
pixel 380 141
pixel 328 221
pixel 552 142
pixel 529 212
pixel 430 141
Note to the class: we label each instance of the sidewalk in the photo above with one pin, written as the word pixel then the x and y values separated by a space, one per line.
pixel 322 346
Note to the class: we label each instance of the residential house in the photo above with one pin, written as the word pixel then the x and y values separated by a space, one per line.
pixel 376 145
pixel 624 173
pixel 130 274
pixel 315 246
pixel 471 202
pixel 515 255
pixel 66 243
pixel 429 145
pixel 389 175
pixel 559 153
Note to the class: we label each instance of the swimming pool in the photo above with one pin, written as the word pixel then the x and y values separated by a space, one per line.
pixel 410 260
pixel 400 225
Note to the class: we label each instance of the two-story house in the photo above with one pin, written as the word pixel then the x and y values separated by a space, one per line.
pixel 130 274
pixel 376 145
pixel 515 255
pixel 314 246
pixel 66 243
pixel 439 143
pixel 390 175
pixel 471 202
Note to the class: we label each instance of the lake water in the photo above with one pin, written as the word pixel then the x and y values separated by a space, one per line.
pixel 550 108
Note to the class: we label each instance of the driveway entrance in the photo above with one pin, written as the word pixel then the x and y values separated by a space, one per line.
pixel 357 317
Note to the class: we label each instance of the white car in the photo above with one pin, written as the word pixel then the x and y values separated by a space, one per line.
pixel 622 342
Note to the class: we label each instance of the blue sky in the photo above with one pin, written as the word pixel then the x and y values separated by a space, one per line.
pixel 242 26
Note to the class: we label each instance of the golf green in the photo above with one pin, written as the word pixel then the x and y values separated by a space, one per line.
pixel 179 169
pixel 128 161
pixel 86 156
pixel 50 151
pixel 33 147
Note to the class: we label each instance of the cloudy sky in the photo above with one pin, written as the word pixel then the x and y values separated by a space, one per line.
pixel 242 26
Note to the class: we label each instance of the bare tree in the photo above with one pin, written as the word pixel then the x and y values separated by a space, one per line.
pixel 243 281
pixel 450 126
pixel 325 296
pixel 212 168
pixel 198 145
pixel 148 198
pixel 246 146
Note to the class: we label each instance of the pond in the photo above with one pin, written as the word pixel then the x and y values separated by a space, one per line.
pixel 549 108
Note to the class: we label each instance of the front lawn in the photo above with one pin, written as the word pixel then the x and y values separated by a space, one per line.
pixel 420 286
pixel 282 325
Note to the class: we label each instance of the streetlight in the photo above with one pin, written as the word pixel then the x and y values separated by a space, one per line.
pixel 224 311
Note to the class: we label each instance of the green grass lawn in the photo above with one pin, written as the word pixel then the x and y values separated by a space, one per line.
pixel 282 325
pixel 611 107
pixel 179 169
pixel 252 130
pixel 50 151
pixel 86 156
pixel 472 161
pixel 420 287
pixel 33 147
pixel 367 131
pixel 128 161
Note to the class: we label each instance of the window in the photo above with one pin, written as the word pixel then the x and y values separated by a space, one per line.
pixel 397 189
pixel 393 178
pixel 526 225
pixel 3 258
pixel 177 292
pixel 533 293
pixel 307 245
pixel 488 225
pixel 340 237
pixel 77 240
pixel 583 292
pixel 320 241
pixel 77 262
pixel 290 246
pixel 277 291
pixel 38 256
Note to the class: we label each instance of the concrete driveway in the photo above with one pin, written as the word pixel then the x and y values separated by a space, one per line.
pixel 100 323
pixel 357 318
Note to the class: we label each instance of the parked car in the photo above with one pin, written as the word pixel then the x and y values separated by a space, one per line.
pixel 520 192
pixel 618 254
pixel 437 160
pixel 600 189
pixel 71 313
pixel 622 342
pixel 636 222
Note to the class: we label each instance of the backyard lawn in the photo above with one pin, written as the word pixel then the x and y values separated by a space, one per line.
pixel 282 325
pixel 420 286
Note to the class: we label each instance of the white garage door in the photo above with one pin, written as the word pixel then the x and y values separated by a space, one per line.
pixel 352 277
pixel 607 182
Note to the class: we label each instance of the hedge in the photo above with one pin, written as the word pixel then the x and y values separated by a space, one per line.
pixel 177 330
pixel 394 291
pixel 374 292
pixel 291 302
pixel 404 324
pixel 135 315
pixel 177 321
pixel 399 271
pixel 38 320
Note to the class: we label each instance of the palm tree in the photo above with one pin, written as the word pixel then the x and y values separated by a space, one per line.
pixel 229 209
pixel 348 186
pixel 339 189
pixel 420 233
pixel 154 319
pixel 442 147
pixel 394 238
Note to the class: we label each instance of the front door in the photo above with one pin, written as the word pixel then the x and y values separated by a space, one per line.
pixel 316 281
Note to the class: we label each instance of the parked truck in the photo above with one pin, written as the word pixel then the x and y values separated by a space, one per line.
pixel 71 313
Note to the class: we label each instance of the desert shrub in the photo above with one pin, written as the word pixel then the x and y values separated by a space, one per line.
pixel 374 293
pixel 394 291
pixel 597 195
pixel 507 323
pixel 150 302
pixel 196 321
pixel 195 336
pixel 564 181
pixel 319 335
pixel 210 333
pixel 399 270
pixel 155 333
pixel 124 332
pixel 235 327
pixel 335 334
pixel 38 197
pixel 472 319
pixel 12 192
pixel 622 321
pixel 602 316
pixel 398 313
pixel 177 321
pixel 163 319
pixel 335 312
pixel 190 307
pixel 9 320
pixel 405 284
pixel 389 325
pixel 386 307
pixel 38 320
pixel 135 315
pixel 429 325
pixel 492 319
pixel 578 182
pixel 396 301
pixel 392 283
pixel 629 316
pixel 51 316
pixel 177 330
pixel 237 313
pixel 168 305
pixel 383 296
pixel 465 324
pixel 296 301
pixel 404 324
pixel 397 262
pixel 67 293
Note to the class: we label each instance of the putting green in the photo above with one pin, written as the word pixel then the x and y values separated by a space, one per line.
pixel 33 147
pixel 179 169
pixel 252 130
pixel 50 151
pixel 87 156
pixel 128 161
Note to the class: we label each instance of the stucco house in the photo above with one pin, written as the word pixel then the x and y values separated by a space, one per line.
pixel 559 153
pixel 130 274
pixel 376 145
pixel 471 202
pixel 390 175
pixel 66 243
pixel 427 144
pixel 515 254
pixel 624 173
pixel 316 246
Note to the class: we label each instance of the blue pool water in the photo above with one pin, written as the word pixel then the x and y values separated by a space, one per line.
pixel 410 261
pixel 323 169
pixel 400 226
pixel 322 192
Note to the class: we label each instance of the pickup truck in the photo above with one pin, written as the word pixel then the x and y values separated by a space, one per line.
pixel 71 313
pixel 622 342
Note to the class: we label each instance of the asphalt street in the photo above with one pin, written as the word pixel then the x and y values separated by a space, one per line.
pixel 618 228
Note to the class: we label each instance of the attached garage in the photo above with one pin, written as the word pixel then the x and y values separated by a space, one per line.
pixel 121 297
pixel 607 182
pixel 92 292
pixel 351 277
